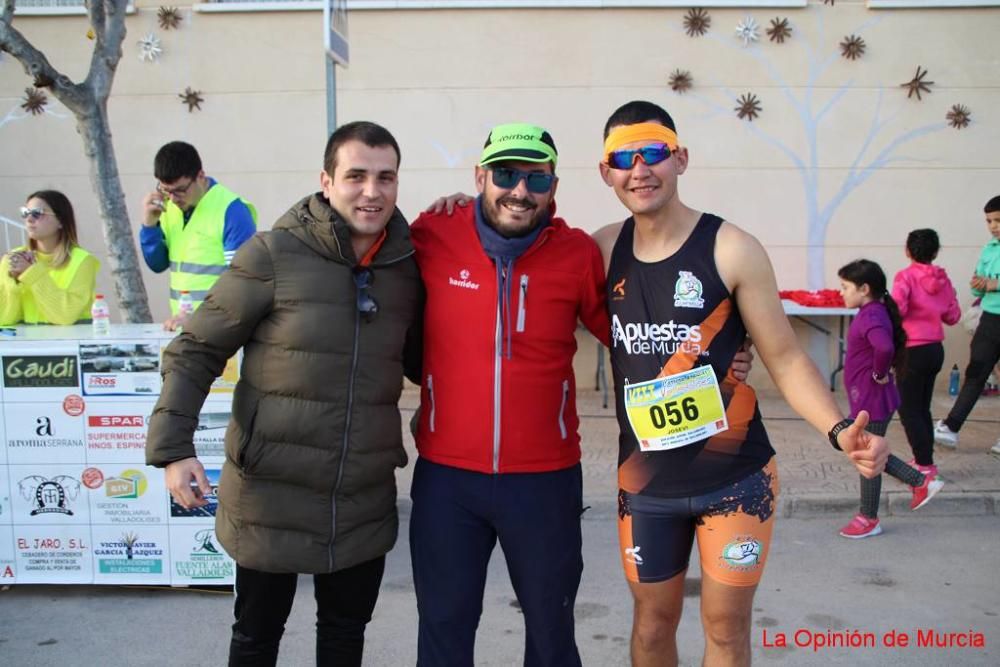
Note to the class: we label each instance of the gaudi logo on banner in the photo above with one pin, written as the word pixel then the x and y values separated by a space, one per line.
pixel 40 371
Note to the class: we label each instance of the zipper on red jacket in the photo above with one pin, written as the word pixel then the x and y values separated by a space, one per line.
pixel 497 367
pixel 521 303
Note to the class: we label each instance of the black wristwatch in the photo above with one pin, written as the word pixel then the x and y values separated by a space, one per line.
pixel 835 431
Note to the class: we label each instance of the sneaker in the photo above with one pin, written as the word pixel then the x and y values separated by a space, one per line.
pixel 932 469
pixel 945 436
pixel 861 526
pixel 923 493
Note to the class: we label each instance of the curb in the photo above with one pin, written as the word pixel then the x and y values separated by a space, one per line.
pixel 893 503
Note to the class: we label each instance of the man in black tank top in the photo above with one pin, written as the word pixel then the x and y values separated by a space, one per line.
pixel 684 289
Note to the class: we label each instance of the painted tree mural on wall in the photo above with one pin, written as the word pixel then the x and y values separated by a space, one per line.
pixel 878 147
pixel 88 101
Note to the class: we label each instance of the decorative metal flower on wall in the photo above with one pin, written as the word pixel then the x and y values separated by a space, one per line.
pixel 192 98
pixel 959 116
pixel 917 84
pixel 696 22
pixel 780 30
pixel 149 48
pixel 169 17
pixel 749 107
pixel 681 81
pixel 853 47
pixel 748 31
pixel 34 101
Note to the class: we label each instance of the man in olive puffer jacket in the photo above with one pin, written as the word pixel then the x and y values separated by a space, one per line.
pixel 327 308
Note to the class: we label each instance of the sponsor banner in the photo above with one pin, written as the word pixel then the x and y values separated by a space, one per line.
pixel 129 494
pixel 6 514
pixel 116 432
pixel 8 563
pixel 47 373
pixel 120 368
pixel 131 555
pixel 42 433
pixel 53 555
pixel 205 514
pixel 196 557
pixel 210 434
pixel 48 494
pixel 226 383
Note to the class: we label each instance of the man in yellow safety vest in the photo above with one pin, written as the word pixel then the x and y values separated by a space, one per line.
pixel 192 225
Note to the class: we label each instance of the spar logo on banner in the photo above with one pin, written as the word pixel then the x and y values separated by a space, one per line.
pixel 117 432
pixel 42 371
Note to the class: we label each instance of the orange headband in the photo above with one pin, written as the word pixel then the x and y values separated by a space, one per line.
pixel 626 134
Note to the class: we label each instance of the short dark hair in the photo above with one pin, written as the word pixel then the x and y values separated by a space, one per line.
pixel 638 111
pixel 176 160
pixel 993 205
pixel 370 134
pixel 923 245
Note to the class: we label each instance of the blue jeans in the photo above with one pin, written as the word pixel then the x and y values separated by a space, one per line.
pixel 458 516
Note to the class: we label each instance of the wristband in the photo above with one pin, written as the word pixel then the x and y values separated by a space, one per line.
pixel 835 431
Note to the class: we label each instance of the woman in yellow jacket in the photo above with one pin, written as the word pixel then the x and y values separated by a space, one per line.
pixel 51 280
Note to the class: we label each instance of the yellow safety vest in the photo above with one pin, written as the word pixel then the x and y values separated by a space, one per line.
pixel 195 249
pixel 62 277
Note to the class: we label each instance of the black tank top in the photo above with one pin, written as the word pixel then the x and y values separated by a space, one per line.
pixel 673 315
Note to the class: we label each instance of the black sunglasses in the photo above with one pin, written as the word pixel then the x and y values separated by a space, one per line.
pixel 507 178
pixel 367 306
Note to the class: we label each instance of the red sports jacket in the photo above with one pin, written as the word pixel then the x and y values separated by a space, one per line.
pixel 481 410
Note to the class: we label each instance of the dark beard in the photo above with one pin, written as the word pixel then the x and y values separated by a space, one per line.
pixel 511 233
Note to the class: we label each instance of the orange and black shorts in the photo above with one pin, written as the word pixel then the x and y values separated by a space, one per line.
pixel 733 526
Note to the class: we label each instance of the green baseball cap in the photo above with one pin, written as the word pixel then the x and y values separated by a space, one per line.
pixel 519 142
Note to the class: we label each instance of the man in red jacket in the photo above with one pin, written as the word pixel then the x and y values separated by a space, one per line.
pixel 506 283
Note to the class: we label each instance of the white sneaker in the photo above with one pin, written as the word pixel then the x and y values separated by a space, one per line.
pixel 995 449
pixel 945 436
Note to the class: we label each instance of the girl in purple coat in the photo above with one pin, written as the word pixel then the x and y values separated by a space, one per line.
pixel 875 348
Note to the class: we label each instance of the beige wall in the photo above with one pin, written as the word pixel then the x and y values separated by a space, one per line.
pixel 439 79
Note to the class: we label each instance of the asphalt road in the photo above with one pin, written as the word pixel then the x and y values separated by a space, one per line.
pixel 923 574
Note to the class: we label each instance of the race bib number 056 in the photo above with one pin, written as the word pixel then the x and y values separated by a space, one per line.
pixel 671 412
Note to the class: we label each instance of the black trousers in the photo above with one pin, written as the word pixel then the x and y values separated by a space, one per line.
pixel 984 353
pixel 916 390
pixel 344 603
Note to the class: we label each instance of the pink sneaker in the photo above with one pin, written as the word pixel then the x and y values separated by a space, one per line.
pixel 932 469
pixel 861 526
pixel 923 493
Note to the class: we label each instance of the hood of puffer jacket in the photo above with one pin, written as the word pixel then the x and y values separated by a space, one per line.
pixel 930 277
pixel 314 222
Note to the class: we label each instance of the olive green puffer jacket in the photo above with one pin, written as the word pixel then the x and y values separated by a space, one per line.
pixel 308 484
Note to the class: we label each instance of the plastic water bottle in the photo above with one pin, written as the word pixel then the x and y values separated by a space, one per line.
pixel 100 315
pixel 185 306
pixel 953 381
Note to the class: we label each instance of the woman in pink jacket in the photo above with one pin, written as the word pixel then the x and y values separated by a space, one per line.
pixel 926 298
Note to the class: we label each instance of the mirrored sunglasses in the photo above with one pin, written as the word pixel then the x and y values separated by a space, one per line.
pixel 33 213
pixel 506 178
pixel 652 154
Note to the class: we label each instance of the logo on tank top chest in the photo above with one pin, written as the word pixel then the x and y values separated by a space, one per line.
pixel 463 280
pixel 618 290
pixel 687 291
